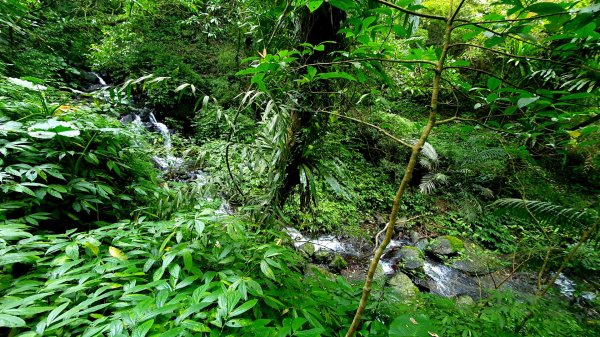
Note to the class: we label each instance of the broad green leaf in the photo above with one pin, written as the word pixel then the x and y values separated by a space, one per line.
pixel 264 267
pixel 116 253
pixel 493 83
pixel 243 308
pixel 523 102
pixel 142 330
pixel 172 332
pixel 545 8
pixel 411 326
pixel 336 74
pixel 10 321
pixel 342 4
pixel 314 5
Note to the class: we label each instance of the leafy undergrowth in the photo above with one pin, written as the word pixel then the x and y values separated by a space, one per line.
pixel 198 272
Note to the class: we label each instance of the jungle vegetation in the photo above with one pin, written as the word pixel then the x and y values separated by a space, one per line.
pixel 156 158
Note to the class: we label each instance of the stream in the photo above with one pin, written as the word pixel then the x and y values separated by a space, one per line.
pixel 436 277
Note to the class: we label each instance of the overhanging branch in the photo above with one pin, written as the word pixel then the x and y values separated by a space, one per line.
pixel 466 23
pixel 406 11
pixel 523 57
pixel 396 139
pixel 368 59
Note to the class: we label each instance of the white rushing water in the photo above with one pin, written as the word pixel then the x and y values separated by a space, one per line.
pixel 565 285
pixel 387 267
pixel 326 242
pixel 164 131
pixel 100 79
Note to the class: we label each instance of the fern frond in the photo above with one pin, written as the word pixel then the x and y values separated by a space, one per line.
pixel 432 181
pixel 495 153
pixel 429 157
pixel 546 210
pixel 486 192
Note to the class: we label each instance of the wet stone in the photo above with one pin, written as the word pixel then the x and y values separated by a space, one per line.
pixel 445 245
pixel 308 248
pixel 476 260
pixel 402 285
pixel 338 263
pixel 411 258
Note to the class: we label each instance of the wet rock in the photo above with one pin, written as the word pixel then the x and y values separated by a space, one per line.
pixel 308 248
pixel 323 256
pixel 476 260
pixel 338 263
pixel 313 270
pixel 464 300
pixel 445 245
pixel 422 244
pixel 414 237
pixel 402 284
pixel 411 258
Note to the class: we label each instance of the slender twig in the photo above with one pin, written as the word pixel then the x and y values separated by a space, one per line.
pixel 509 36
pixel 287 5
pixel 467 23
pixel 462 2
pixel 526 57
pixel 406 11
pixel 499 78
pixel 457 118
pixel 367 59
pixel 396 139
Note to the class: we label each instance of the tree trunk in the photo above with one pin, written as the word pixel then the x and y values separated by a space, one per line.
pixel 416 149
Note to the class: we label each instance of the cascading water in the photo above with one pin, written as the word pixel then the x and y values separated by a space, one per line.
pixel 100 79
pixel 449 282
pixel 163 130
pixel 326 242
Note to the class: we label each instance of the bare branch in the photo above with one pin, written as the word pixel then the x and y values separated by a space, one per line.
pixel 462 2
pixel 504 34
pixel 462 119
pixel 396 139
pixel 497 77
pixel 523 57
pixel 467 23
pixel 406 11
pixel 368 59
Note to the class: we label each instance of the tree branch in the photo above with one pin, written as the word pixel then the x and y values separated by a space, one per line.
pixel 367 59
pixel 505 35
pixel 396 139
pixel 499 78
pixel 523 57
pixel 462 2
pixel 466 23
pixel 456 118
pixel 406 11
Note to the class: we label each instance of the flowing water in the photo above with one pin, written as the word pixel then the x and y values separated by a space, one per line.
pixel 163 130
pixel 100 79
pixel 440 279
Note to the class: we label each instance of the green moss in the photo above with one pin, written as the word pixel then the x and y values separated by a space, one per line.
pixel 338 263
pixel 456 243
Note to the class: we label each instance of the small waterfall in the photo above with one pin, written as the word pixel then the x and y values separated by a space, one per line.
pixel 326 242
pixel 450 282
pixel 565 285
pixel 387 267
pixel 100 79
pixel 164 131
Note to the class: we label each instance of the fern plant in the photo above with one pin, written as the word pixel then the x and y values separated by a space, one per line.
pixel 547 211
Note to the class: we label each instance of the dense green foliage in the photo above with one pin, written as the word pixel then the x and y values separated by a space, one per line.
pixel 301 114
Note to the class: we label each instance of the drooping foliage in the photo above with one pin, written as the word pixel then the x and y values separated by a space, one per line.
pixel 482 115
